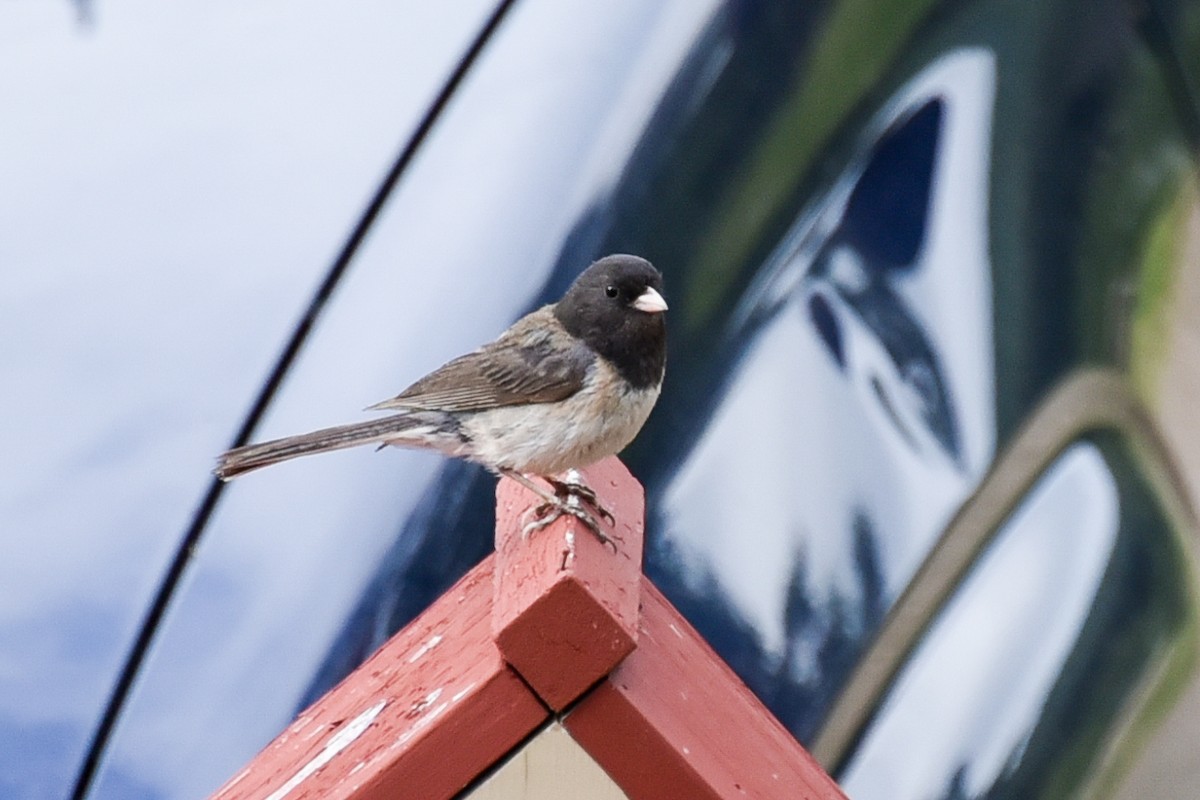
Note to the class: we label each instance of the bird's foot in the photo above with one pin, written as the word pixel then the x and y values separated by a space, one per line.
pixel 549 512
pixel 572 485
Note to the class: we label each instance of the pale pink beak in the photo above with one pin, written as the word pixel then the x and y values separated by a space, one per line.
pixel 650 301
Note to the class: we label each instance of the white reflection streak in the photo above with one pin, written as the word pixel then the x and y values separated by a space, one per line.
pixel 778 472
pixel 975 686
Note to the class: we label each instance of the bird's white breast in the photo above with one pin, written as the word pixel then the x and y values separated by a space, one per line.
pixel 549 438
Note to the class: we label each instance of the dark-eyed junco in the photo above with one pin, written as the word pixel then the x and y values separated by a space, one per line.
pixel 565 386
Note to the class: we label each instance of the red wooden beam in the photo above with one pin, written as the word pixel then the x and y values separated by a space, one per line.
pixel 673 721
pixel 438 705
pixel 566 605
pixel 421 718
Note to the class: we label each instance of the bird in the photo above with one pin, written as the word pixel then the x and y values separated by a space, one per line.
pixel 563 387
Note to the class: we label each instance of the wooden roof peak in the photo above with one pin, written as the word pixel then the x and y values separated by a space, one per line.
pixel 553 627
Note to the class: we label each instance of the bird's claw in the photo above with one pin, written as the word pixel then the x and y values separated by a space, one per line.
pixel 547 513
pixel 574 487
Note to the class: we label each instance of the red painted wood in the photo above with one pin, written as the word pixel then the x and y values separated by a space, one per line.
pixel 566 606
pixel 673 721
pixel 437 705
pixel 450 709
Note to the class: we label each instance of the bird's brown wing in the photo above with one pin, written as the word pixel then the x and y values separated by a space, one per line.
pixel 535 361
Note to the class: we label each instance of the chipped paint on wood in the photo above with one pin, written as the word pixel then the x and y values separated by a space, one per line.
pixel 566 605
pixel 661 724
pixel 336 744
pixel 445 690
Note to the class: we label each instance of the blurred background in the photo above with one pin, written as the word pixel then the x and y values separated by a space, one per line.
pixel 924 467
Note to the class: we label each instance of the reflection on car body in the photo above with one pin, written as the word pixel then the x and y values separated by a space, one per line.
pixel 851 371
pixel 907 474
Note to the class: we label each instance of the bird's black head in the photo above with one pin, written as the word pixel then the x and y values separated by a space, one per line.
pixel 616 307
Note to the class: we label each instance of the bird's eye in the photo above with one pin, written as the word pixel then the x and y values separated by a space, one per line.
pixel 611 291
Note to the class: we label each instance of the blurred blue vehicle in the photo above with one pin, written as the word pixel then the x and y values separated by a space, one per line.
pixel 925 465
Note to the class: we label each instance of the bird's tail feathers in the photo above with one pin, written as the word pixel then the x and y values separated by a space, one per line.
pixel 250 457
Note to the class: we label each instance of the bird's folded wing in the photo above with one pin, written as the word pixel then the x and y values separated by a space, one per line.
pixel 510 371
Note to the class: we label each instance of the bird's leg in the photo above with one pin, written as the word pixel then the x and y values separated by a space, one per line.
pixel 554 507
pixel 538 512
pixel 519 477
pixel 572 485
